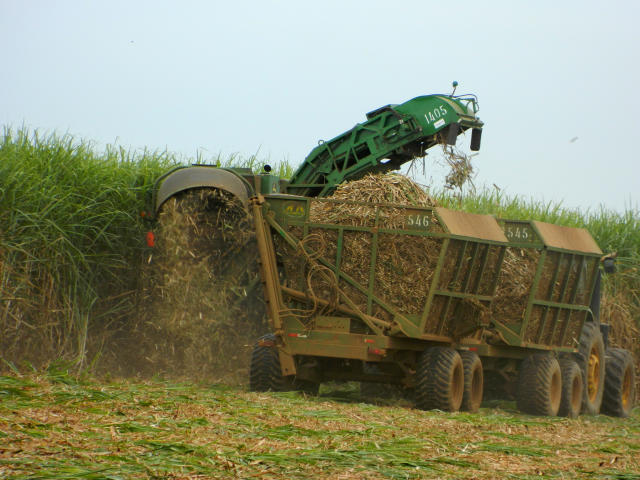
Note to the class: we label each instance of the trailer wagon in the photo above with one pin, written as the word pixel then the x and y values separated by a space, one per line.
pixel 431 299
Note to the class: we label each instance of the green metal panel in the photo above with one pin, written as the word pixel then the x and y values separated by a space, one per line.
pixel 372 265
pixel 434 112
pixel 390 136
pixel 289 214
pixel 433 290
pixel 560 293
pixel 466 253
pixel 520 233
pixel 532 295
pixel 269 184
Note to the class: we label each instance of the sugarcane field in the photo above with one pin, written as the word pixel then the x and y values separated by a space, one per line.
pixel 277 241
pixel 131 356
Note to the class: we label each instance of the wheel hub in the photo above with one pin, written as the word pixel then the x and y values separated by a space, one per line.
pixel 593 374
pixel 576 393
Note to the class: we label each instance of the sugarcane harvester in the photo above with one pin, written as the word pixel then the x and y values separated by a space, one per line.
pixel 391 136
pixel 338 317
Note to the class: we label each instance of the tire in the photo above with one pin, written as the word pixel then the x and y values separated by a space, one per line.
pixel 439 380
pixel 264 372
pixel 572 388
pixel 539 385
pixel 591 360
pixel 473 382
pixel 620 383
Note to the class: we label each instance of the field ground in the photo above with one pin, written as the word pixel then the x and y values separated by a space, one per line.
pixel 53 426
pixel 72 251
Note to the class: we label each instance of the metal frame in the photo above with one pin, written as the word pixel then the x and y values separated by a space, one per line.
pixel 329 335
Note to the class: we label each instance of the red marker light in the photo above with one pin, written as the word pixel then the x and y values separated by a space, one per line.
pixel 377 351
pixel 151 239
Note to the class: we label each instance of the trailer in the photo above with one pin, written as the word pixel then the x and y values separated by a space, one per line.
pixel 348 325
pixel 424 298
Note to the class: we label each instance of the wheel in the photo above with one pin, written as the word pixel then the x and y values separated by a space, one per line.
pixel 590 358
pixel 264 371
pixel 620 383
pixel 539 385
pixel 473 381
pixel 571 398
pixel 439 379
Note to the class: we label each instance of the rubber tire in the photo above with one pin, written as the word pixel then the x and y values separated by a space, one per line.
pixel 439 380
pixel 539 385
pixel 591 342
pixel 265 374
pixel 264 371
pixel 619 399
pixel 473 382
pixel 572 387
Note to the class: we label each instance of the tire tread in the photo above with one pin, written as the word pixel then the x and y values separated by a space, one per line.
pixel 569 369
pixel 433 386
pixel 470 362
pixel 618 361
pixel 590 334
pixel 534 384
pixel 265 374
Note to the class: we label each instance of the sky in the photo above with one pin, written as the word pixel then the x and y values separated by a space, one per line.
pixel 555 80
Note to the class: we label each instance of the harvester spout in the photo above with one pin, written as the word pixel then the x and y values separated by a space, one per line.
pixel 391 136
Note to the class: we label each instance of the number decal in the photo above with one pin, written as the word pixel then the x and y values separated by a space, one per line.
pixel 518 233
pixel 418 220
pixel 435 114
pixel 294 210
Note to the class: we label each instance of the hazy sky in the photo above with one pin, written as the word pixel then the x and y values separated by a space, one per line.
pixel 555 80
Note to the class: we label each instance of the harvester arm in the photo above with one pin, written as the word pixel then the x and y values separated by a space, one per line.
pixel 391 136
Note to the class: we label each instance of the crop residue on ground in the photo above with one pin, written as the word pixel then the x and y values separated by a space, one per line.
pixel 56 427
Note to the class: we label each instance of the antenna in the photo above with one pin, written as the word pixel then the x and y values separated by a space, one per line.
pixel 455 85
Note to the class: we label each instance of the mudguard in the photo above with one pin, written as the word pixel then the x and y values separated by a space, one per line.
pixel 199 176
